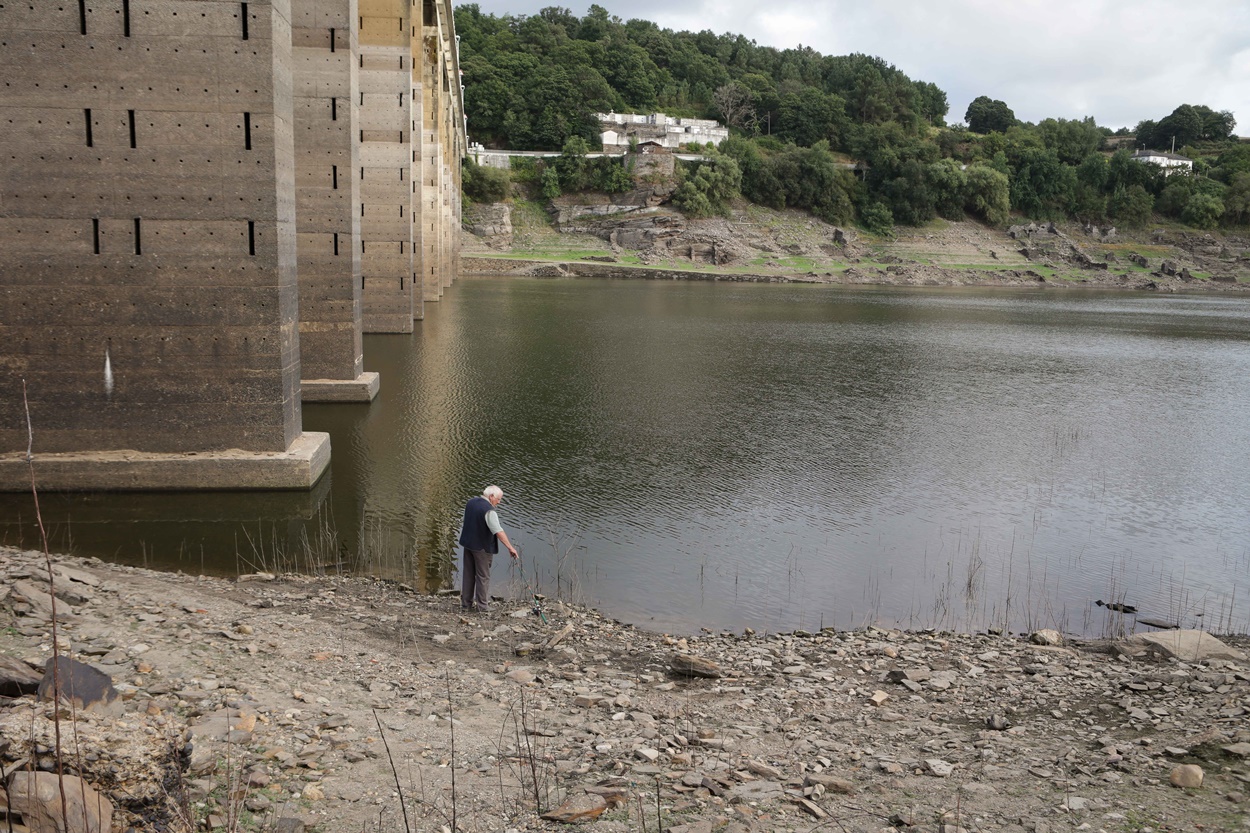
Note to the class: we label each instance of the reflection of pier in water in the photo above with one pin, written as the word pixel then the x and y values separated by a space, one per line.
pixel 222 533
pixel 402 519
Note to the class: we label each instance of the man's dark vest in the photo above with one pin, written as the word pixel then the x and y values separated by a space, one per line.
pixel 475 534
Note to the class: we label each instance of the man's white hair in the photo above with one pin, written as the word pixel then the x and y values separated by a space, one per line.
pixel 492 491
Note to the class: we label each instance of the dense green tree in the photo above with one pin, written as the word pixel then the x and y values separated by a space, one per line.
pixel 537 81
pixel 1237 199
pixel 1187 124
pixel 949 185
pixel 809 116
pixel 986 114
pixel 1123 172
pixel 1093 171
pixel 1041 186
pixel 550 183
pixel 1175 196
pixel 483 184
pixel 988 194
pixel 1203 211
pixel 572 165
pixel 1235 160
pixel 876 218
pixel 932 103
pixel 1071 140
pixel 1131 206
pixel 709 188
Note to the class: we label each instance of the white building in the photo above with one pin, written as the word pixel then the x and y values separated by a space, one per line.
pixel 1170 162
pixel 619 128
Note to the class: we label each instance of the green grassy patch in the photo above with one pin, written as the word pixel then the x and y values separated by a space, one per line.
pixel 793 263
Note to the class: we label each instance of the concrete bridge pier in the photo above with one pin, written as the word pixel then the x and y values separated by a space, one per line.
pixel 203 206
pixel 327 201
pixel 148 296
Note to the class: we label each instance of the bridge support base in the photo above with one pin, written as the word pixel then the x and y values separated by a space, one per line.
pixel 298 467
pixel 361 389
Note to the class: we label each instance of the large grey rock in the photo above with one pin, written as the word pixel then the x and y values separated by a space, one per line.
pixel 87 688
pixel 17 678
pixel 1046 636
pixel 1187 645
pixel 36 796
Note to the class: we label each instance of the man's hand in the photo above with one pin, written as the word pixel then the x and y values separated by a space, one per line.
pixel 512 552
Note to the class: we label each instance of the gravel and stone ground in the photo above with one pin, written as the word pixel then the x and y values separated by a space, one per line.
pixel 347 704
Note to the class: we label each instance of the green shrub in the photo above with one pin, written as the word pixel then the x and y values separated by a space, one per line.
pixel 482 184
pixel 877 218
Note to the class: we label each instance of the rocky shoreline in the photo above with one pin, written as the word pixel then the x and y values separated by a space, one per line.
pixel 317 703
pixel 902 274
pixel 641 241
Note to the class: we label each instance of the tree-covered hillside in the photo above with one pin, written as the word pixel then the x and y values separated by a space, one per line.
pixel 798 118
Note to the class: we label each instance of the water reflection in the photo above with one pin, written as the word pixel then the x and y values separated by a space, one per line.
pixel 687 454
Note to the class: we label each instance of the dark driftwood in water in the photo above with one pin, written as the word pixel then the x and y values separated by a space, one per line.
pixel 1157 623
pixel 1117 606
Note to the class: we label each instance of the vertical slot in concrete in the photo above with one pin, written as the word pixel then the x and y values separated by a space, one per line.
pixel 334 109
pixel 244 16
pixel 126 18
pixel 336 244
pixel 251 238
pixel 247 131
pixel 95 235
pixel 130 116
pixel 138 243
pixel 334 176
pixel 82 17
pixel 87 116
pixel 331 40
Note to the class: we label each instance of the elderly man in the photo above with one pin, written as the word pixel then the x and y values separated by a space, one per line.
pixel 480 536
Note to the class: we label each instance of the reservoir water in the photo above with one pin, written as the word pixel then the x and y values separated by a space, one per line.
pixel 689 454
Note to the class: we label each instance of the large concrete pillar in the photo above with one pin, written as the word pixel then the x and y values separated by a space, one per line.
pixel 386 108
pixel 148 288
pixel 327 201
pixel 430 215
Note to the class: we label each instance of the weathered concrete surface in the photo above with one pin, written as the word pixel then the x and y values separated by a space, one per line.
pixel 363 388
pixel 148 289
pixel 183 203
pixel 327 190
pixel 298 467
pixel 386 166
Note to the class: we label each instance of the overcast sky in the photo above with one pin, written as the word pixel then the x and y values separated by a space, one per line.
pixel 1119 61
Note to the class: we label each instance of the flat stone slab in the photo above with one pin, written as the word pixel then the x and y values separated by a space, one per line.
pixel 578 809
pixel 299 467
pixel 1187 645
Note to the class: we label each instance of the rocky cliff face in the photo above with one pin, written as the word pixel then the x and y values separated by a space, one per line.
pixel 492 223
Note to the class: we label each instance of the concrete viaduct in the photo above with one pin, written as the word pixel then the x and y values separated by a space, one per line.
pixel 203 205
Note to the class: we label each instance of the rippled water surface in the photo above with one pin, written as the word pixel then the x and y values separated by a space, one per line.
pixel 693 454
